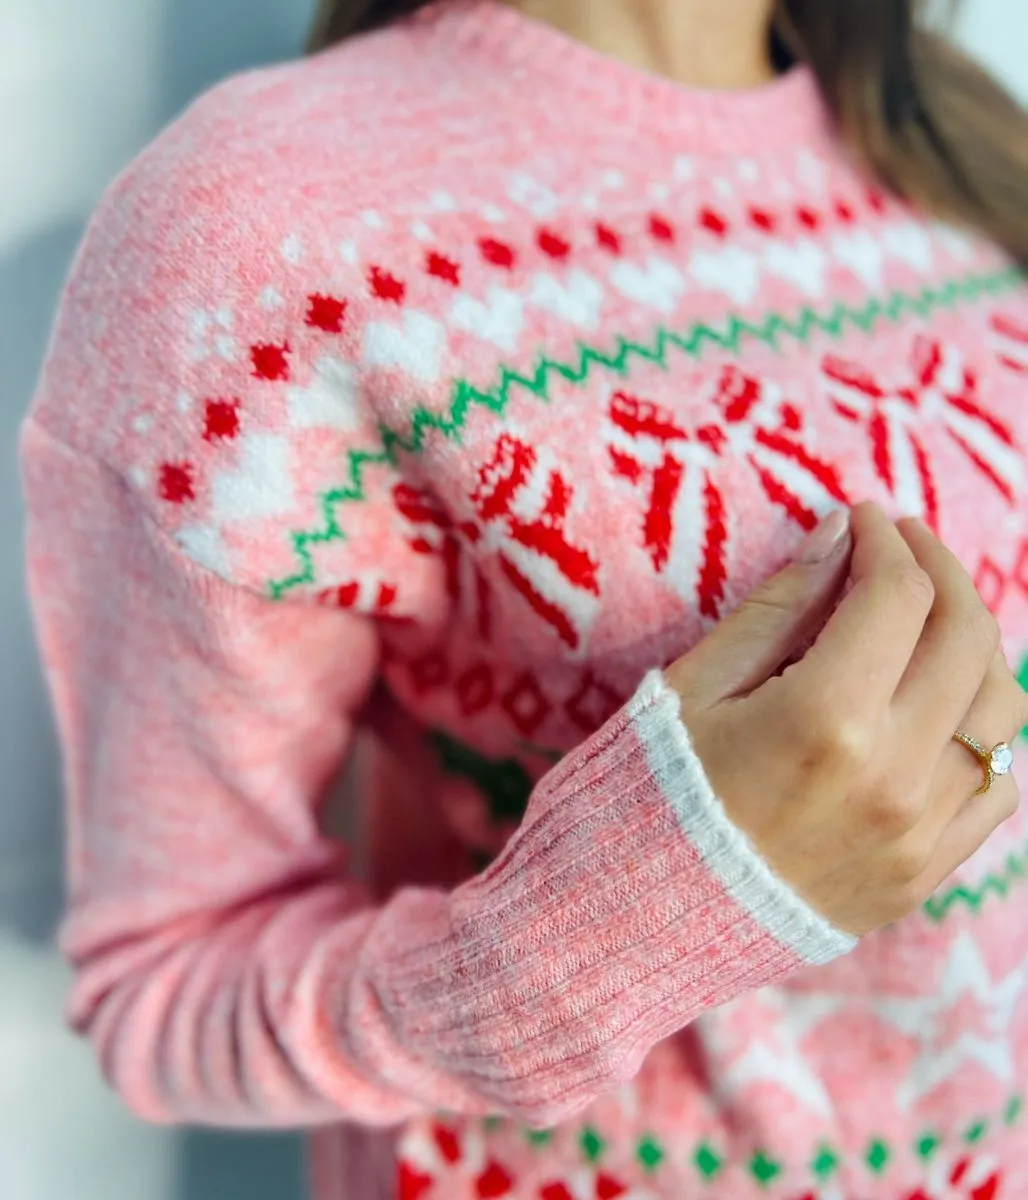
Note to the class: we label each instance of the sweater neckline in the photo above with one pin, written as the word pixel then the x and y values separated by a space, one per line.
pixel 528 58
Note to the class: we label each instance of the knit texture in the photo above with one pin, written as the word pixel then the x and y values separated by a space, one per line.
pixel 410 408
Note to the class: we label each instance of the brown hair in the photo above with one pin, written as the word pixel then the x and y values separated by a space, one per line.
pixel 930 123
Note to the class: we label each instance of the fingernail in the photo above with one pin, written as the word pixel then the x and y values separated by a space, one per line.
pixel 827 539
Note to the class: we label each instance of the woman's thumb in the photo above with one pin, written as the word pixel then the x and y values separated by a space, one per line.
pixel 751 644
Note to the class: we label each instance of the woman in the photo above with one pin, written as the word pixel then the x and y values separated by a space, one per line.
pixel 542 412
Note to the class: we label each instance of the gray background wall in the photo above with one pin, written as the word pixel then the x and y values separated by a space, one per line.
pixel 83 85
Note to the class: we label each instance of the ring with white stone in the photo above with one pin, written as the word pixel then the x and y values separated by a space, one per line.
pixel 997 761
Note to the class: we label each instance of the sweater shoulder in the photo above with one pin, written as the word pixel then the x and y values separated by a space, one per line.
pixel 210 344
pixel 259 195
pixel 348 126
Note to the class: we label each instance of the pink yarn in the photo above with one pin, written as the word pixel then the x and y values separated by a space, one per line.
pixel 412 405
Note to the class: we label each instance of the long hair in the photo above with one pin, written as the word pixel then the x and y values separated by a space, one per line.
pixel 927 121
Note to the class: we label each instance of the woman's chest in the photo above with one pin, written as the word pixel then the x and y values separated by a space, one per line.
pixel 588 524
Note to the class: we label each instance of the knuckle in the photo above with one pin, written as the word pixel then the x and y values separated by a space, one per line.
pixel 842 743
pixel 891 814
pixel 913 585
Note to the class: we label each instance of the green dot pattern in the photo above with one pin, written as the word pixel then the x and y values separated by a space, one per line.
pixel 592 1144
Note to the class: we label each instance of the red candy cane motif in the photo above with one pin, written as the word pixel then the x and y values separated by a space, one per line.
pixel 522 502
pixel 939 391
pixel 673 468
pixel 431 531
pixel 677 467
pixel 519 511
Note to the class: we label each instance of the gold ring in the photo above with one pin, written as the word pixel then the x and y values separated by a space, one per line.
pixel 997 761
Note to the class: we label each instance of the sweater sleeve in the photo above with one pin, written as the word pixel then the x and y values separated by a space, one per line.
pixel 228 972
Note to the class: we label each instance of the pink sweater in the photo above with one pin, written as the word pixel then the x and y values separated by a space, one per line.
pixel 409 407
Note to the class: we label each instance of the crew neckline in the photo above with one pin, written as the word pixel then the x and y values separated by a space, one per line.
pixel 547 67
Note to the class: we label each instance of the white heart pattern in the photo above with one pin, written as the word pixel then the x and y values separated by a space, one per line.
pixel 732 271
pixel 415 348
pixel 259 485
pixel 861 252
pixel 328 401
pixel 658 285
pixel 802 264
pixel 577 300
pixel 909 242
pixel 499 319
pixel 203 545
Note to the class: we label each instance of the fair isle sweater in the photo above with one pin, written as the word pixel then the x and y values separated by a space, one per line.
pixel 408 409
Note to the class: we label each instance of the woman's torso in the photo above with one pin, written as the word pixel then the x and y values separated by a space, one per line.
pixel 664 428
pixel 605 385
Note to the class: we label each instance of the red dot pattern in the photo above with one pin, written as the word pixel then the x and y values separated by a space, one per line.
pixel 326 313
pixel 221 420
pixel 270 361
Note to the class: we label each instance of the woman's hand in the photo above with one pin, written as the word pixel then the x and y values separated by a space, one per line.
pixel 841 768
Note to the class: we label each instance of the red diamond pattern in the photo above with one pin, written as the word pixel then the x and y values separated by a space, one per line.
pixel 526 705
pixel 592 704
pixel 475 689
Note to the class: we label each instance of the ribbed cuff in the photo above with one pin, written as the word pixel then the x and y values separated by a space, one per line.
pixel 744 874
pixel 627 905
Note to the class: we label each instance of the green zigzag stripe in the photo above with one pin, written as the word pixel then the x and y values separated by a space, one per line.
pixel 1000 884
pixel 730 337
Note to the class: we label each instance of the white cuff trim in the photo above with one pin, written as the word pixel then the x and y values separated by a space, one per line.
pixel 655 712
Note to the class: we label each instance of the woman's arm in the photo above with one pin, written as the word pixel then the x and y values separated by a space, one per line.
pixel 226 969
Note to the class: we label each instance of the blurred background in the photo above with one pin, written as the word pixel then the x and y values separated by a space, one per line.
pixel 84 84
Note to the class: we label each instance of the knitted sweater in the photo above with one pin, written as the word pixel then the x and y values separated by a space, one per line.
pixel 409 408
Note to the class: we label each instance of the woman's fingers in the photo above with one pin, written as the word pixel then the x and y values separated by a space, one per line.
pixel 862 803
pixel 750 645
pixel 865 648
pixel 977 820
pixel 959 642
pixel 996 714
